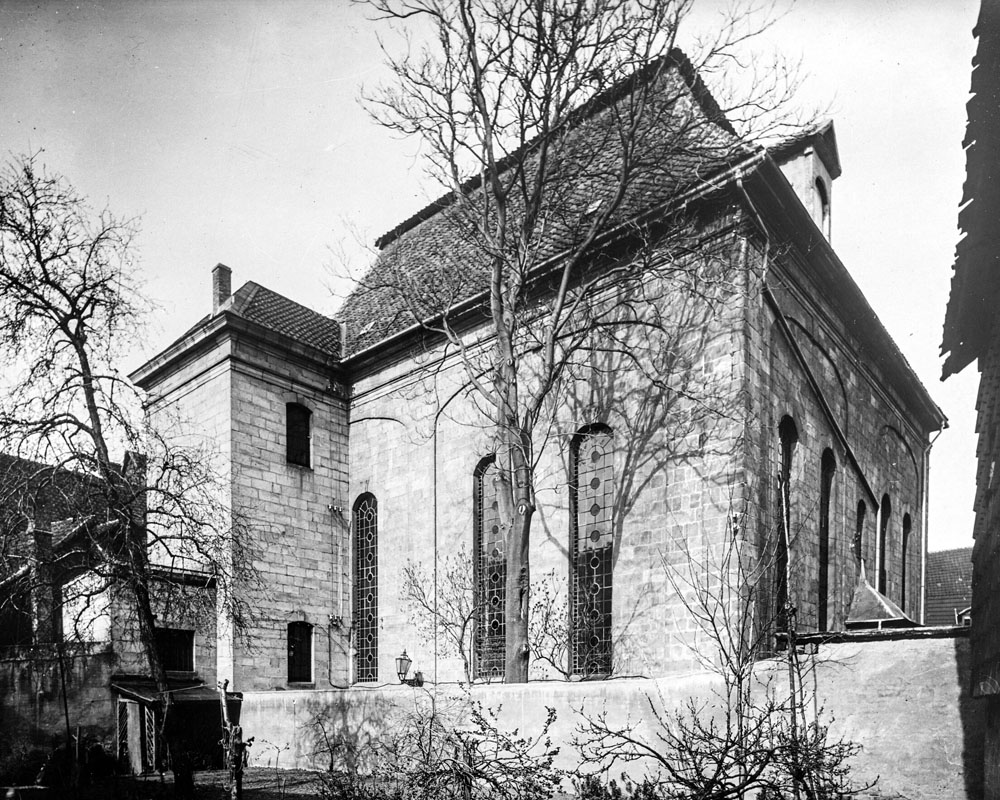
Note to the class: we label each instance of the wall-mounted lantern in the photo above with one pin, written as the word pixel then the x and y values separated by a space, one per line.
pixel 403 663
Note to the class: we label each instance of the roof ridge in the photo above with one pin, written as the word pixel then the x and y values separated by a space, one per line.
pixel 675 57
pixel 244 301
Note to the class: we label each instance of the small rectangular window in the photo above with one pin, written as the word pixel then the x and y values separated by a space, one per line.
pixel 176 649
pixel 297 434
pixel 299 652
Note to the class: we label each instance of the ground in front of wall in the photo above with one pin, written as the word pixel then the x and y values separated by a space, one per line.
pixel 259 783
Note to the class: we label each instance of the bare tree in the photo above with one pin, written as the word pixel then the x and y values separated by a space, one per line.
pixel 152 533
pixel 755 735
pixel 454 615
pixel 563 133
pixel 459 752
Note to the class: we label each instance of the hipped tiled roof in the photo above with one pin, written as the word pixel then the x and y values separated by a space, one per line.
pixel 275 312
pixel 949 585
pixel 432 261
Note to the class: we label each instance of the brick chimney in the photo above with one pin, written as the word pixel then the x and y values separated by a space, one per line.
pixel 222 286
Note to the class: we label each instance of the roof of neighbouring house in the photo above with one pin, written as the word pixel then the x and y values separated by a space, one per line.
pixel 46 493
pixel 949 585
pixel 430 263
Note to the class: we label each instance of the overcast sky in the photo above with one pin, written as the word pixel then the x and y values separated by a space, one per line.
pixel 233 130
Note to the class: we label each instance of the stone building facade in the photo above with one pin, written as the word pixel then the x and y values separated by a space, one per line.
pixel 801 435
pixel 753 405
pixel 239 379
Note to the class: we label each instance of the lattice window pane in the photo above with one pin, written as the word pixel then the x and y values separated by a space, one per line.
pixel 148 739
pixel 490 576
pixel 366 588
pixel 123 756
pixel 592 537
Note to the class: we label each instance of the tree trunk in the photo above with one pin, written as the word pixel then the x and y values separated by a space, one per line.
pixel 518 586
pixel 180 761
pixel 521 511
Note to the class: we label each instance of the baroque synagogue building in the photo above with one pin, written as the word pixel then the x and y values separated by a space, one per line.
pixel 770 412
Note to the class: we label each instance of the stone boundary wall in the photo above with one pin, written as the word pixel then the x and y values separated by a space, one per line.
pixel 905 701
pixel 31 698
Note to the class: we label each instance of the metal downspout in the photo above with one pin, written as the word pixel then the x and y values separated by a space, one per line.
pixel 925 514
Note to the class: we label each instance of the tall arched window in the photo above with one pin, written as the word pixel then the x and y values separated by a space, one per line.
pixel 788 437
pixel 298 420
pixel 828 466
pixel 907 524
pixel 884 513
pixel 300 652
pixel 859 532
pixel 489 574
pixel 366 588
pixel 592 496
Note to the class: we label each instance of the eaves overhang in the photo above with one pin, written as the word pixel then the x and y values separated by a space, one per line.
pixel 789 223
pixel 399 342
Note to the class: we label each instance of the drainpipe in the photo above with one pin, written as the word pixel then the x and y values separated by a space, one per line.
pixel 434 506
pixel 925 512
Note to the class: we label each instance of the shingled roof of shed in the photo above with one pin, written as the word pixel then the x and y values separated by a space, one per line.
pixel 949 585
pixel 435 261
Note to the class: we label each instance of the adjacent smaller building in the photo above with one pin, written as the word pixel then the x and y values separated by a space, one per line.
pixel 71 661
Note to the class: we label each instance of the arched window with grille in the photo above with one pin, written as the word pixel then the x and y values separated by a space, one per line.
pixel 592 495
pixel 489 574
pixel 859 532
pixel 884 514
pixel 828 468
pixel 907 525
pixel 788 437
pixel 366 588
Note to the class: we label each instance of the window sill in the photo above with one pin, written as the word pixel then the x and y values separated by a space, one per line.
pixel 304 467
pixel 301 684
